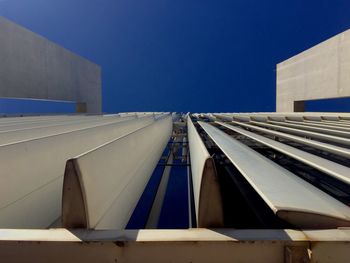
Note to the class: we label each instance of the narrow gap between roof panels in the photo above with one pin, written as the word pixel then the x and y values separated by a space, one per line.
pixel 339 190
pixel 143 208
pixel 174 207
pixel 243 206
pixel 175 210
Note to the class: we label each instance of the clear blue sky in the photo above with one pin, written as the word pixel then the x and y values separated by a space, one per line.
pixel 184 55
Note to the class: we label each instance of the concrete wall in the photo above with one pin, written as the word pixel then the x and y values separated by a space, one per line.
pixel 33 67
pixel 320 72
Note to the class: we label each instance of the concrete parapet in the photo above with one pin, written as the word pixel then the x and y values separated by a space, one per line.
pixel 33 67
pixel 321 72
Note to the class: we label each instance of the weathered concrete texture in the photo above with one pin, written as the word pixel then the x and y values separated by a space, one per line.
pixel 320 72
pixel 33 67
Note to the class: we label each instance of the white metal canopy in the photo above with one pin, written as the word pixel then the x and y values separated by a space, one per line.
pixel 313 129
pixel 109 180
pixel 316 144
pixel 290 197
pixel 331 168
pixel 32 171
pixel 311 134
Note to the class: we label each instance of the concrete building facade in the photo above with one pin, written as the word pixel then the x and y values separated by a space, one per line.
pixel 320 72
pixel 34 67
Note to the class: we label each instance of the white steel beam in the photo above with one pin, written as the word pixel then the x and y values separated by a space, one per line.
pixel 157 246
pixel 206 189
pixel 288 196
pixel 102 186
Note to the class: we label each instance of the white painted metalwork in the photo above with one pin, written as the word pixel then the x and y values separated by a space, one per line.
pixel 320 125
pixel 290 197
pixel 313 129
pixel 157 246
pixel 49 122
pixel 103 185
pixel 296 116
pixel 41 119
pixel 330 123
pixel 14 136
pixel 316 144
pixel 316 135
pixel 336 170
pixel 32 171
pixel 206 190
